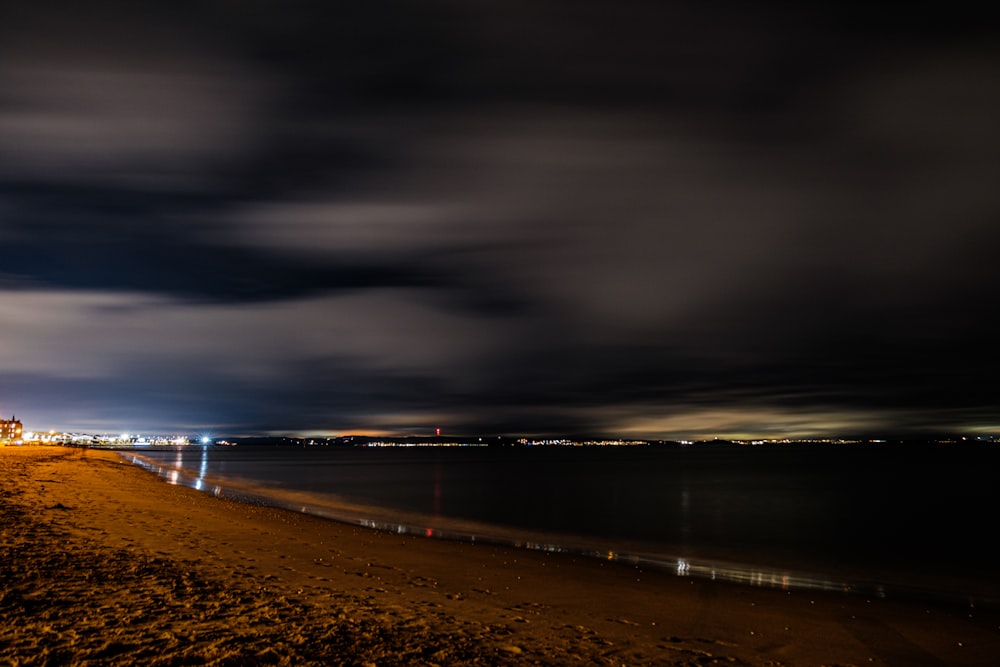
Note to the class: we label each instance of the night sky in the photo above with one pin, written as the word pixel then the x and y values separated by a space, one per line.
pixel 647 219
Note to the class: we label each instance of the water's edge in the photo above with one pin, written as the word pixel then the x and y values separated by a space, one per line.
pixel 377 518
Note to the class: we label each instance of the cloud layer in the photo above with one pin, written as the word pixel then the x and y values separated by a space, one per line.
pixel 643 218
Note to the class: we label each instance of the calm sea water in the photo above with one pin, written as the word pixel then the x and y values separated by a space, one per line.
pixel 894 520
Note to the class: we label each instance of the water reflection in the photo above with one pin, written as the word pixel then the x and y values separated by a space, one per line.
pixel 203 468
pixel 437 492
pixel 680 564
pixel 685 517
pixel 175 474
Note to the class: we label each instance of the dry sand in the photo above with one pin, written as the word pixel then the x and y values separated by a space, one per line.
pixel 104 563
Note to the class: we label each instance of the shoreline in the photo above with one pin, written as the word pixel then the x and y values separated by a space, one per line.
pixel 913 586
pixel 105 563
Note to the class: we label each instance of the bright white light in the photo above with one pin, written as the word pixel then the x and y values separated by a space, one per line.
pixel 205 440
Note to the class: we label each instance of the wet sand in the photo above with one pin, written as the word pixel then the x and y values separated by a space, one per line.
pixel 104 563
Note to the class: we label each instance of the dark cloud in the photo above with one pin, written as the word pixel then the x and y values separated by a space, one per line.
pixel 634 217
pixel 100 239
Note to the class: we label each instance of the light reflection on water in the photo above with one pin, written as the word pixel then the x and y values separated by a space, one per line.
pixel 710 501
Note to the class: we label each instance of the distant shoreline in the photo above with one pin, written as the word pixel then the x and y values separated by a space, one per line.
pixel 125 441
pixel 455 530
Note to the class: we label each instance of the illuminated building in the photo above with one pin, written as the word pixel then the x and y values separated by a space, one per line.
pixel 10 431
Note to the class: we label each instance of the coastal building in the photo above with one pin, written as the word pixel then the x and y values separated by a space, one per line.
pixel 10 431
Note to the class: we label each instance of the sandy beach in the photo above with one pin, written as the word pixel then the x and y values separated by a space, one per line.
pixel 103 563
